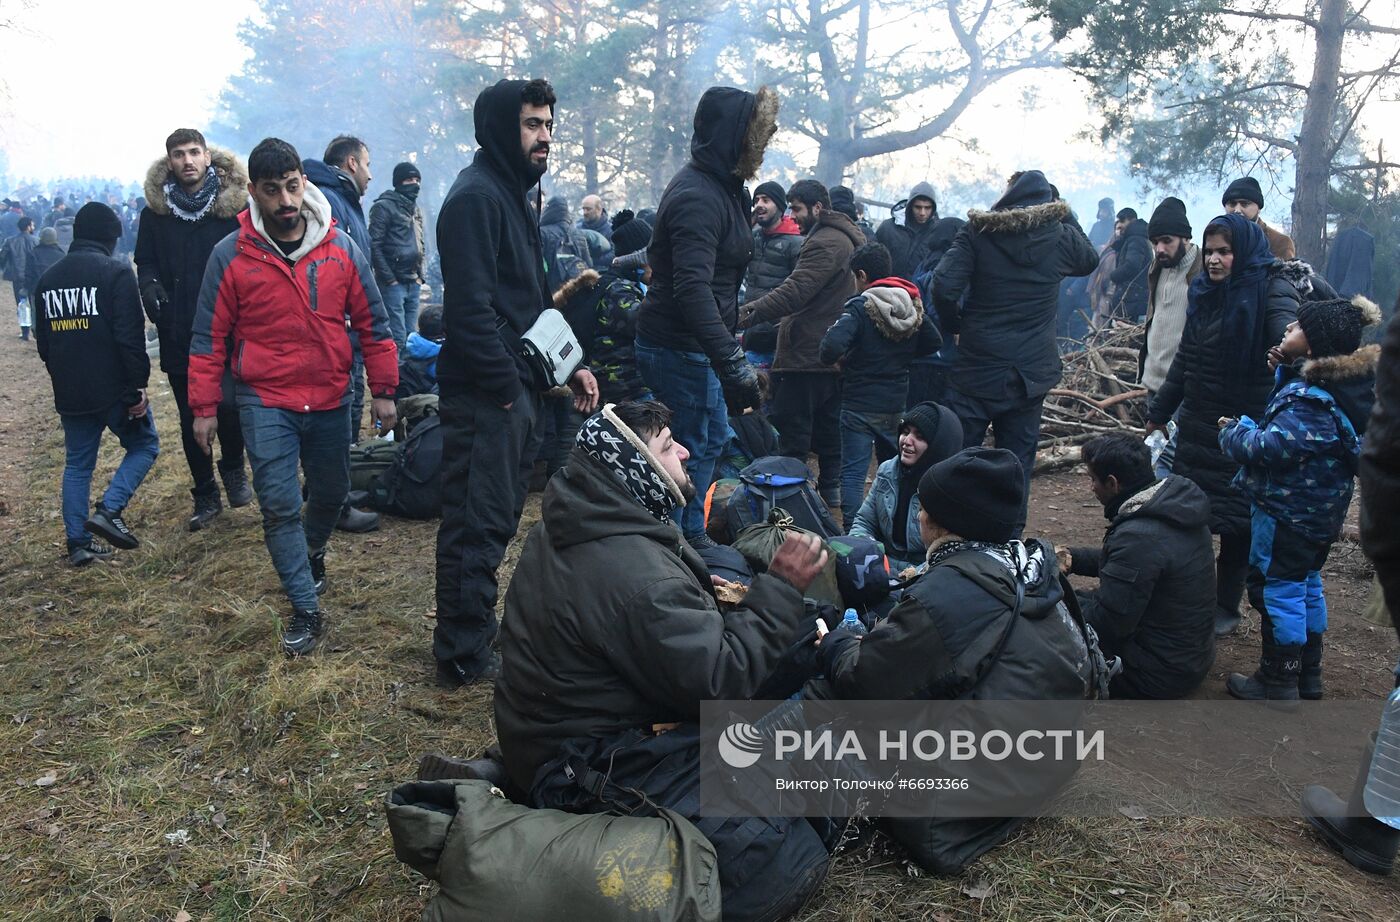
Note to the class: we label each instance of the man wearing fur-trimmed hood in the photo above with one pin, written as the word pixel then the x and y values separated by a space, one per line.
pixel 193 196
pixel 997 289
pixel 700 249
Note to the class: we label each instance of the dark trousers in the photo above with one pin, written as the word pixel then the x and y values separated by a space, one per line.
pixel 487 453
pixel 230 439
pixel 1231 569
pixel 559 428
pixel 1015 422
pixel 807 413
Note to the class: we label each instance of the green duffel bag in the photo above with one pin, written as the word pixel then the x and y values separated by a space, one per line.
pixel 760 541
pixel 368 459
pixel 499 861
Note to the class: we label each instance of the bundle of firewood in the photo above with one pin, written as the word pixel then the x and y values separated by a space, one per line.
pixel 1098 393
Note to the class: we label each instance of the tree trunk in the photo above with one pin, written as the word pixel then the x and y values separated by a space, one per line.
pixel 1314 172
pixel 590 153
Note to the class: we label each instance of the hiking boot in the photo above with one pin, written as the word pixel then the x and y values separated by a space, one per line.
pixel 1226 622
pixel 107 523
pixel 357 520
pixel 1364 841
pixel 80 555
pixel 24 333
pixel 206 509
pixel 1310 679
pixel 701 542
pixel 318 570
pixel 236 488
pixel 1276 679
pixel 451 675
pixel 304 633
pixel 437 767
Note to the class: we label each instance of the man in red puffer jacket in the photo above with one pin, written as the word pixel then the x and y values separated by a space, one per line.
pixel 272 308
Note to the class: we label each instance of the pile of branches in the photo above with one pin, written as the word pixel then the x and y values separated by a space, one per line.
pixel 1098 393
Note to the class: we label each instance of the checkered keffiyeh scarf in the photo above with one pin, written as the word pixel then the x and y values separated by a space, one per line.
pixel 193 207
pixel 608 440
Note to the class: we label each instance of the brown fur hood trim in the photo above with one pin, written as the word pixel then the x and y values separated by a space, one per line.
pixel 1017 220
pixel 763 124
pixel 233 184
pixel 585 279
pixel 1334 368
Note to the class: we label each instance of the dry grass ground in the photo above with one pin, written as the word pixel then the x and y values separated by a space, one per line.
pixel 162 760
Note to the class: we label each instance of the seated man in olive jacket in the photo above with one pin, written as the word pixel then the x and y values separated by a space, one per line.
pixel 1155 605
pixel 612 637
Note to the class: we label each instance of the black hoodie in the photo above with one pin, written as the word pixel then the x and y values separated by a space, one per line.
pixel 701 243
pixel 492 263
pixel 90 330
pixel 1131 269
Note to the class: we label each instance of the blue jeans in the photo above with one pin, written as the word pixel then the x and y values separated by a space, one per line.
pixel 860 432
pixel 82 434
pixel 401 301
pixel 686 383
pixel 277 442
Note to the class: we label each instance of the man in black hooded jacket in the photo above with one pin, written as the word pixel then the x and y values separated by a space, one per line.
pixel 909 241
pixel 997 290
pixel 700 248
pixel 493 291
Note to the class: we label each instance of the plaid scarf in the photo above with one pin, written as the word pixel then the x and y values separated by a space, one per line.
pixel 608 440
pixel 192 207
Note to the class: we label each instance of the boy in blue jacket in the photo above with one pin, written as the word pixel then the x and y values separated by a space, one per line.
pixel 1297 467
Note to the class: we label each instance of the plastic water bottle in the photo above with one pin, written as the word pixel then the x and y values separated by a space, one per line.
pixel 1382 795
pixel 852 623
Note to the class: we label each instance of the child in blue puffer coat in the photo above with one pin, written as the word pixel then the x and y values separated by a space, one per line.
pixel 1297 467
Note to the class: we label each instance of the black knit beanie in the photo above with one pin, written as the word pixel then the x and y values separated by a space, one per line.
pixel 939 427
pixel 1247 188
pixel 1334 327
pixel 405 171
pixel 1169 220
pixel 630 236
pixel 95 221
pixel 976 494
pixel 773 191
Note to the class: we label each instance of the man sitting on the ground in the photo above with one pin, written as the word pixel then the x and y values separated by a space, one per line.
pixel 612 635
pixel 1155 606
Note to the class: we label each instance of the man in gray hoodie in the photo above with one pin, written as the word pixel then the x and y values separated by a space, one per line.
pixel 908 240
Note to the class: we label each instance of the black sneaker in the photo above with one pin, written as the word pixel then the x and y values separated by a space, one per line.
pixel 304 633
pixel 206 509
pixel 107 523
pixel 357 520
pixel 451 675
pixel 318 570
pixel 236 488
pixel 83 554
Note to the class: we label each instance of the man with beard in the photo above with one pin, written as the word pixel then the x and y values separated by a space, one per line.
pixel 193 196
pixel 1176 261
pixel 595 218
pixel 776 242
pixel 1244 197
pixel 908 241
pixel 700 246
pixel 612 638
pixel 273 306
pixel 494 291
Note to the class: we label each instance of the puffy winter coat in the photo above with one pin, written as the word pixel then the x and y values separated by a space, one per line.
pixel 1131 269
pixel 775 252
pixel 875 519
pixel 611 625
pixel 1298 462
pixel 172 253
pixel 809 300
pixel 877 336
pixel 90 333
pixel 908 241
pixel 283 317
pixel 603 313
pixel 396 239
pixel 343 196
pixel 18 257
pixel 701 241
pixel 1155 605
pixel 1197 383
pixel 1008 263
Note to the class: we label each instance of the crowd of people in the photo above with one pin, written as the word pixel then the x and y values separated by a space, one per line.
pixel 278 303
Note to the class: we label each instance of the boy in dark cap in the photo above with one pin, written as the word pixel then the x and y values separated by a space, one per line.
pixel 91 336
pixel 1297 466
pixel 1243 196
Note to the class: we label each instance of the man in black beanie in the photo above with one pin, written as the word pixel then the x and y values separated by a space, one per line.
pixel 92 337
pixel 1243 196
pixel 396 250
pixel 1176 261
pixel 776 242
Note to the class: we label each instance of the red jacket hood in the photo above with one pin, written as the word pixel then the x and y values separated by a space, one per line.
pixel 786 226
pixel 895 281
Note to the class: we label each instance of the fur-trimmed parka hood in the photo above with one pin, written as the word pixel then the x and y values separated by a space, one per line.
pixel 1017 220
pixel 1334 369
pixel 233 184
pixel 894 306
pixel 732 130
pixel 584 281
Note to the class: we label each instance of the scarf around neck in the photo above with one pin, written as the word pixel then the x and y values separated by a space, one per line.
pixel 1242 296
pixel 192 207
pixel 608 440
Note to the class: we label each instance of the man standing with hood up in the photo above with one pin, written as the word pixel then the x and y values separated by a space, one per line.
pixel 700 248
pixel 493 291
pixel 908 242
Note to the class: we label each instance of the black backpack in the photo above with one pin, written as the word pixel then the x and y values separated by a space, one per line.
pixel 778 481
pixel 412 486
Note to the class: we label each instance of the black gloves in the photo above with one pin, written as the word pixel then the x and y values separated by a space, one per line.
pixel 739 380
pixel 154 299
